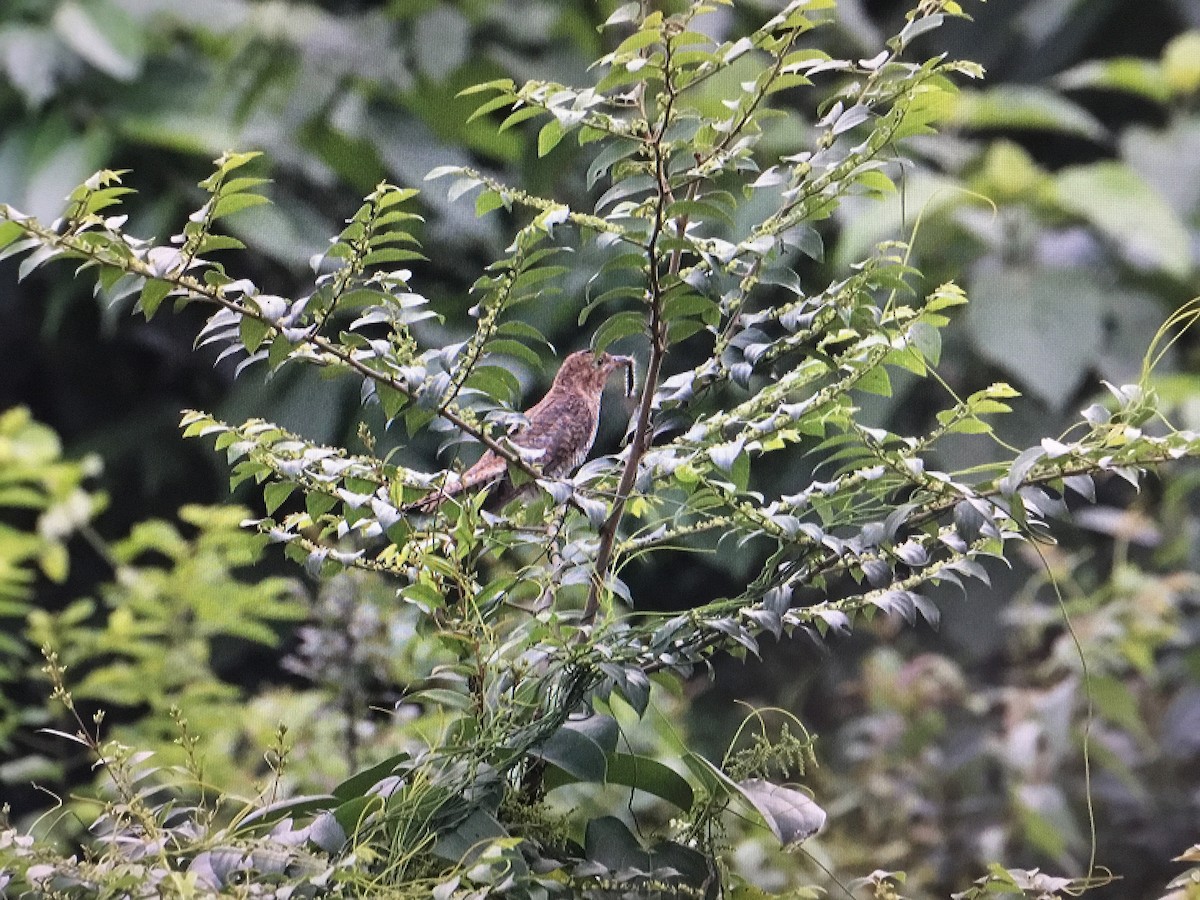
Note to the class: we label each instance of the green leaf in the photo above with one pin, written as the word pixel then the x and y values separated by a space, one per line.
pixel 629 292
pixel 926 339
pixel 875 381
pixel 1130 75
pixel 575 753
pixel 1131 213
pixel 439 697
pixel 293 806
pixel 621 325
pixel 616 151
pixel 244 183
pixel 520 115
pixel 516 350
pixel 784 82
pixel 104 34
pixel 651 776
pixel 232 160
pixel 360 783
pixel 791 815
pixel 609 842
pixel 498 84
pixel 152 296
pixel 103 199
pixel 317 504
pixel 214 242
pixel 462 186
pixel 1024 107
pixel 228 204
pixel 492 105
pixel 9 232
pixel 495 381
pixel 876 182
pixel 276 493
pixel 627 12
pixel 680 305
pixel 917 27
pixel 352 814
pixel 552 132
pixel 716 783
pixel 1045 327
pixel 639 40
pixel 534 276
pixel 390 255
pixel 1181 62
pixel 487 201
pixel 469 840
pixel 392 400
pixel 253 332
pixel 698 211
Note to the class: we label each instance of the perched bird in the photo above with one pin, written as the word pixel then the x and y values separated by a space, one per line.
pixel 562 426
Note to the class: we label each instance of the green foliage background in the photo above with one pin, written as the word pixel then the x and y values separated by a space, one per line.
pixel 946 750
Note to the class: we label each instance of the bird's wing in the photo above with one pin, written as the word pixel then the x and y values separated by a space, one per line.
pixel 553 421
pixel 554 425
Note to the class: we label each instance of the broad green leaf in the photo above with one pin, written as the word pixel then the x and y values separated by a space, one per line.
pixel 875 381
pixel 275 495
pixel 1131 213
pixel 651 776
pixel 360 783
pixel 1024 108
pixel 1122 73
pixel 609 842
pixel 575 753
pixel 616 151
pixel 499 84
pixel 516 350
pixel 215 242
pixel 501 102
pixel 1044 327
pixel 1169 160
pixel 104 34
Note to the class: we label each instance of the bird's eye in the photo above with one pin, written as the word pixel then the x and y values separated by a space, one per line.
pixel 598 361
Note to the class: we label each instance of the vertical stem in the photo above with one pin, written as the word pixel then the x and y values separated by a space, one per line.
pixel 642 432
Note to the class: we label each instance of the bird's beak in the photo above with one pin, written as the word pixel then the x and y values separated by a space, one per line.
pixel 627 362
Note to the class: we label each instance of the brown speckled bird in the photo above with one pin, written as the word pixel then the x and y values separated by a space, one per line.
pixel 562 425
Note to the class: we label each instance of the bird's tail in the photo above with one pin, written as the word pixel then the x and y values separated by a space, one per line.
pixel 483 473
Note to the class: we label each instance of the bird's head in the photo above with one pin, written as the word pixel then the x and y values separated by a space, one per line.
pixel 588 372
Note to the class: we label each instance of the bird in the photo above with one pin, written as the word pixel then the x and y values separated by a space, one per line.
pixel 557 435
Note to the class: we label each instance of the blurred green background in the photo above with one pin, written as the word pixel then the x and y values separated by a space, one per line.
pixel 1063 193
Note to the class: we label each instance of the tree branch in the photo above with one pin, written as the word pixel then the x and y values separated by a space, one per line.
pixel 642 433
pixel 198 290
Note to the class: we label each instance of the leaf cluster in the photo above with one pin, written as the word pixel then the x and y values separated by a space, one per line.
pixel 544 641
